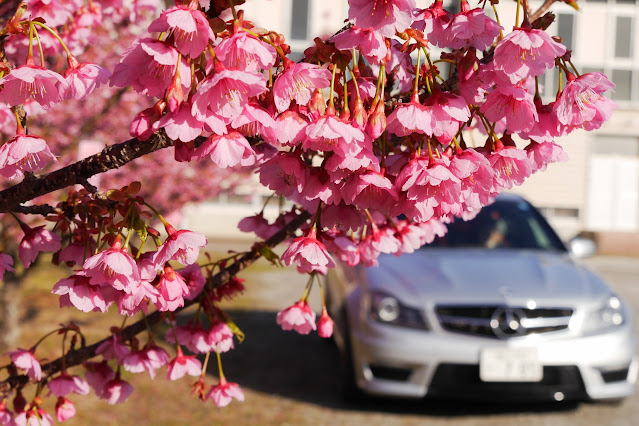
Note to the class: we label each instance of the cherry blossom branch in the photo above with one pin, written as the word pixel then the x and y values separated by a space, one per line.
pixel 78 356
pixel 111 157
pixel 542 9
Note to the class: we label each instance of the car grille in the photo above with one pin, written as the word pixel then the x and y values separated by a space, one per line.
pixel 502 321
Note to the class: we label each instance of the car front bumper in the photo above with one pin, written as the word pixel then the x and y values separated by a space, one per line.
pixel 400 362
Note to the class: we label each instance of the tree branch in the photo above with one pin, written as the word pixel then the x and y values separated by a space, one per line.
pixel 542 9
pixel 111 157
pixel 78 356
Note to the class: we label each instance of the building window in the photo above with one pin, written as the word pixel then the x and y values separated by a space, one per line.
pixel 299 20
pixel 623 36
pixel 566 29
pixel 623 83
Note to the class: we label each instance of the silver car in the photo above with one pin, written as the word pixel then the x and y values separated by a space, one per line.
pixel 496 308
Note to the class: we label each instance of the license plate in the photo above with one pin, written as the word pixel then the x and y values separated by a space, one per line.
pixel 510 365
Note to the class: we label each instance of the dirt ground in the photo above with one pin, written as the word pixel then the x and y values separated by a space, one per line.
pixel 290 379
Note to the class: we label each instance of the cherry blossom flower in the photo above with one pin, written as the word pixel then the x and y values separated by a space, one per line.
pixel 581 103
pixel 329 133
pixel 65 384
pixel 285 174
pixel 511 166
pixel 64 409
pixel 227 150
pixel 514 104
pixel 83 79
pixel 77 291
pixel 449 111
pixel 476 175
pixel 6 264
pixel 385 16
pixel 227 92
pixel 34 417
pixel 324 325
pixel 290 128
pixel 308 254
pixel 97 375
pixel 298 82
pixel 194 280
pixel 369 189
pixel 245 52
pixel 116 391
pixel 149 66
pixel 180 125
pixel 113 267
pixel 409 118
pixel 113 348
pixel 224 392
pixel 526 52
pixel 26 361
pixel 299 317
pixel 182 365
pixel 31 81
pixel 472 28
pixel 23 153
pixel 189 27
pixel 172 290
pixel 542 154
pixel 369 42
pixel 182 246
pixel 6 416
pixel 434 22
pixel 36 240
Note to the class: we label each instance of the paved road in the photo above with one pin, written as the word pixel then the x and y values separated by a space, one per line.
pixel 294 377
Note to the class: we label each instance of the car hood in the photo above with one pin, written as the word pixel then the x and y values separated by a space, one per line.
pixel 473 276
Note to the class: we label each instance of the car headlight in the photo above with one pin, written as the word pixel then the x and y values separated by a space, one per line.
pixel 608 315
pixel 387 309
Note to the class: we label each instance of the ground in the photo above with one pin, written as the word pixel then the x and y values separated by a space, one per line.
pixel 290 379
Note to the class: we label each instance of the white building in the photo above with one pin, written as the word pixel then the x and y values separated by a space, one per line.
pixel 598 189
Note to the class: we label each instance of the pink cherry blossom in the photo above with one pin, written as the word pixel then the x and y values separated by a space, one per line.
pixel 476 175
pixel 79 292
pixel 369 189
pixel 65 384
pixel 36 240
pixel 6 264
pixel 472 28
pixel 449 112
pixel 245 52
pixel 23 153
pixel 285 174
pixel 149 66
pixel 30 81
pixel 227 92
pixel 290 128
pixel 113 348
pixel 189 27
pixel 385 16
pixel 97 375
pixel 34 417
pixel 542 154
pixel 25 360
pixel 324 325
pixel 254 121
pixel 435 21
pixel 409 118
pixel 83 79
pixel 526 52
pixel 228 150
pixel 298 82
pixel 172 290
pixel 224 392
pixel 182 246
pixel 369 42
pixel 182 365
pixel 181 125
pixel 329 133
pixel 308 254
pixel 116 391
pixel 581 103
pixel 299 317
pixel 113 267
pixel 194 280
pixel 514 104
pixel 511 166
pixel 64 409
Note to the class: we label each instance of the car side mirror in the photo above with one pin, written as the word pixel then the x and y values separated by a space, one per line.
pixel 581 247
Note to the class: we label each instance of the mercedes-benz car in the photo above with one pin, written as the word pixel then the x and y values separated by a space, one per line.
pixel 498 307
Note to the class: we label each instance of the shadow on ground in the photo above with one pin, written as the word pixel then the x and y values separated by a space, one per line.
pixel 307 369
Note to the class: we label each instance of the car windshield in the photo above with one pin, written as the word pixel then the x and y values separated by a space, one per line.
pixel 506 224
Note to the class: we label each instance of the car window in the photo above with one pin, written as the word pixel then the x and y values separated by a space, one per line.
pixel 505 224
